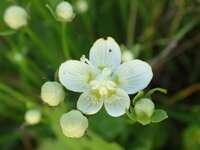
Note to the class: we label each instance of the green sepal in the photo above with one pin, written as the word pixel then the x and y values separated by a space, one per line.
pixel 131 114
pixel 148 95
pixel 51 11
pixel 144 121
pixel 158 116
pixel 56 76
pixel 139 95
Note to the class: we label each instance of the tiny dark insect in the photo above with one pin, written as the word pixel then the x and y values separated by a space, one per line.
pixel 110 50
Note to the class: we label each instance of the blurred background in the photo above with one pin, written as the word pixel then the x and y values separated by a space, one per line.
pixel 165 33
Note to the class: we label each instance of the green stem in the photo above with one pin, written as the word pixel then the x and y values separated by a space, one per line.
pixel 123 7
pixel 64 41
pixel 184 93
pixel 179 15
pixel 148 95
pixel 31 75
pixel 10 101
pixel 131 23
pixel 39 43
pixel 14 93
pixel 24 67
pixel 139 95
pixel 88 25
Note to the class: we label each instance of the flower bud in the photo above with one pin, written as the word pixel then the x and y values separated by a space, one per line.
pixel 144 108
pixel 15 17
pixel 81 6
pixel 73 124
pixel 52 93
pixel 33 116
pixel 127 55
pixel 17 57
pixel 64 11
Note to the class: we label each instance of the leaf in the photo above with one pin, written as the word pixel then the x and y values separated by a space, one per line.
pixel 51 144
pixel 137 97
pixel 185 29
pixel 191 136
pixel 148 95
pixel 158 116
pixel 105 127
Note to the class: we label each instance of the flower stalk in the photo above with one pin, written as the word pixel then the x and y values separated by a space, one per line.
pixel 64 41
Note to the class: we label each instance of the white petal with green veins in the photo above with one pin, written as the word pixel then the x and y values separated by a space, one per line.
pixel 133 76
pixel 90 102
pixel 105 53
pixel 75 75
pixel 117 103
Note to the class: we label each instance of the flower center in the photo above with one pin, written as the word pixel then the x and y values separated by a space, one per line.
pixel 102 82
pixel 103 87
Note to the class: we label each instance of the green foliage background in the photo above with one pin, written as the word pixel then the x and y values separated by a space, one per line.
pixel 166 33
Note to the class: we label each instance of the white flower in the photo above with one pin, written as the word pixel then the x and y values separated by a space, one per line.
pixel 52 93
pixel 144 108
pixel 103 80
pixel 127 55
pixel 64 11
pixel 73 124
pixel 15 17
pixel 33 116
pixel 82 6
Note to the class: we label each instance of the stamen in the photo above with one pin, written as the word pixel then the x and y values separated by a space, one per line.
pixel 103 87
pixel 106 72
pixel 103 91
pixel 83 59
pixel 95 85
pixel 110 85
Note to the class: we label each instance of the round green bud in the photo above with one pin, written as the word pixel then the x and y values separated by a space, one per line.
pixel 52 93
pixel 82 6
pixel 15 17
pixel 73 124
pixel 64 11
pixel 144 108
pixel 32 116
pixel 17 57
pixel 127 55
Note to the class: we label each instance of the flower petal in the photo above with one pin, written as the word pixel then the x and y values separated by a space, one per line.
pixel 105 53
pixel 133 76
pixel 89 103
pixel 75 75
pixel 117 103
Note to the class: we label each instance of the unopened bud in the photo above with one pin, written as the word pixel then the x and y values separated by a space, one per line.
pixel 127 55
pixel 17 57
pixel 64 11
pixel 52 93
pixel 33 116
pixel 15 17
pixel 73 124
pixel 82 6
pixel 144 108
